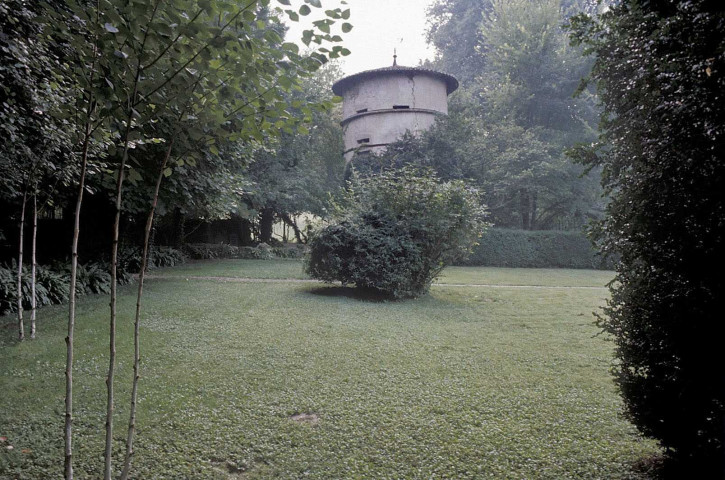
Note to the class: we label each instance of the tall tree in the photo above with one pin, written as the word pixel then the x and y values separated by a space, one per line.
pixel 515 115
pixel 660 70
pixel 300 171
pixel 455 31
pixel 531 115
pixel 31 140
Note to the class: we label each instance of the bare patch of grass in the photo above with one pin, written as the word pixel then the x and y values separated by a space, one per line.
pixel 307 418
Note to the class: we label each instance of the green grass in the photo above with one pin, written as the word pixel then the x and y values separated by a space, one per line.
pixel 466 382
pixel 272 269
pixel 560 277
pixel 292 269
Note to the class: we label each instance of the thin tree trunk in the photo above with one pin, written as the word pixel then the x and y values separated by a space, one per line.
pixel 524 209
pixel 72 304
pixel 112 327
pixel 21 326
pixel 68 428
pixel 534 207
pixel 137 318
pixel 266 224
pixel 33 268
pixel 298 233
pixel 114 269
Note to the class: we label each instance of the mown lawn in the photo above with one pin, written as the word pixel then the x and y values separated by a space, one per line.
pixel 466 382
pixel 292 269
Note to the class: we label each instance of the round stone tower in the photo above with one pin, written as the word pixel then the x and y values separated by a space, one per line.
pixel 380 105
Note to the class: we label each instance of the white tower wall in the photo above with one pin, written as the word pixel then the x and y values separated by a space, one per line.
pixel 381 93
pixel 379 106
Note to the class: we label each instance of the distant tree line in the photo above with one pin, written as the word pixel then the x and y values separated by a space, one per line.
pixel 516 113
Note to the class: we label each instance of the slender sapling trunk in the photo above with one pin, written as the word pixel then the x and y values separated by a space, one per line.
pixel 72 306
pixel 112 334
pixel 21 327
pixel 33 268
pixel 114 284
pixel 137 318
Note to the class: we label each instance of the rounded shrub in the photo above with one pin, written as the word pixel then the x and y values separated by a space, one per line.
pixel 396 232
pixel 370 252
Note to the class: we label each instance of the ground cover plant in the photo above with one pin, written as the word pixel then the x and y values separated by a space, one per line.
pixel 292 379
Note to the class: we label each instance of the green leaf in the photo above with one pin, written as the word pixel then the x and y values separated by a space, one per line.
pixel 305 10
pixel 322 25
pixel 133 176
pixel 285 82
pixel 291 47
pixel 346 27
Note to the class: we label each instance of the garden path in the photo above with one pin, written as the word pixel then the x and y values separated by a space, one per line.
pixel 307 280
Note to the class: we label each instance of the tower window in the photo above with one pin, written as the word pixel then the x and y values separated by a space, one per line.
pixel 363 140
pixel 401 107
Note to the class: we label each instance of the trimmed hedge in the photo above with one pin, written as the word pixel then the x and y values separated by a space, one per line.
pixel 536 249
pixel 209 251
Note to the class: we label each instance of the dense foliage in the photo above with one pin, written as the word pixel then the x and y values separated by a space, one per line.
pixel 297 173
pixel 515 114
pixel 660 69
pixel 207 251
pixel 396 232
pixel 536 249
pixel 34 146
pixel 53 281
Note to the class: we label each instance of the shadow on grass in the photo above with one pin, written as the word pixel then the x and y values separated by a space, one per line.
pixel 664 467
pixel 9 330
pixel 355 293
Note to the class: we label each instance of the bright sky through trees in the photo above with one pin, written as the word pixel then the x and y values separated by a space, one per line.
pixel 379 27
